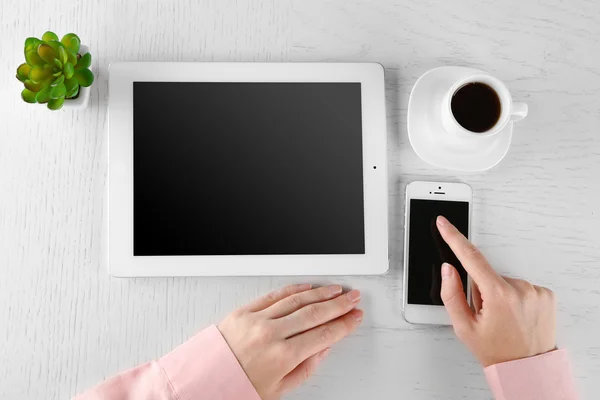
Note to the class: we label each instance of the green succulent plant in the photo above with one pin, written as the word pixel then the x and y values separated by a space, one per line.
pixel 54 70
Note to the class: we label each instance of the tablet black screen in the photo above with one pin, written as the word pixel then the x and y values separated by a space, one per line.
pixel 247 169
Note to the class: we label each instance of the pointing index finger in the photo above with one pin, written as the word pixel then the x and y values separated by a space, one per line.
pixel 470 257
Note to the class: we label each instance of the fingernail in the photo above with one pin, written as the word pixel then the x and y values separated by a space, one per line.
pixel 358 316
pixel 305 286
pixel 335 289
pixel 324 353
pixel 441 221
pixel 353 295
pixel 446 271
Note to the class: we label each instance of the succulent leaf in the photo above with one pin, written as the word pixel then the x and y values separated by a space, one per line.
pixel 62 54
pixel 71 57
pixel 73 93
pixel 28 96
pixel 68 70
pixel 32 86
pixel 85 61
pixel 58 91
pixel 43 96
pixel 33 59
pixel 23 72
pixel 31 44
pixel 48 36
pixel 56 104
pixel 31 41
pixel 84 77
pixel 55 45
pixel 58 64
pixel 38 74
pixel 71 42
pixel 47 53
pixel 58 81
pixel 71 83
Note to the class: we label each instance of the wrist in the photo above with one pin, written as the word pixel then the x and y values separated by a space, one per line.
pixel 497 359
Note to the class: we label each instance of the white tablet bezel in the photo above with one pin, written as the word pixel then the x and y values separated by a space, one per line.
pixel 122 263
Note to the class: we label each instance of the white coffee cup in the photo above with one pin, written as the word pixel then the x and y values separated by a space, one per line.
pixel 509 111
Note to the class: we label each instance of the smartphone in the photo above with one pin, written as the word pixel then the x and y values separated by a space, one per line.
pixel 425 251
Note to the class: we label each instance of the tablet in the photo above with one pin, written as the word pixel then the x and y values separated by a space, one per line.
pixel 247 169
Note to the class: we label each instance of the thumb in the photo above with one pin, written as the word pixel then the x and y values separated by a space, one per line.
pixel 455 300
pixel 302 372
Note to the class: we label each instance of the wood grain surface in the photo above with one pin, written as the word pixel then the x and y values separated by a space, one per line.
pixel 65 325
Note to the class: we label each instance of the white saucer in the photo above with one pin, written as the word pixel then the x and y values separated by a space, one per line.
pixel 433 143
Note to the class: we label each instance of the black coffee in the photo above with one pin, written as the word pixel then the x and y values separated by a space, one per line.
pixel 476 107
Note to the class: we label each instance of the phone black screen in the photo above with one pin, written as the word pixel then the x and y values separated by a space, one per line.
pixel 427 251
pixel 247 168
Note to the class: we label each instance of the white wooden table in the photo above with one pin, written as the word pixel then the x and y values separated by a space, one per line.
pixel 65 325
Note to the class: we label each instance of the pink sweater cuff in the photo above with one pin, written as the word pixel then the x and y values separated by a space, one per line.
pixel 205 368
pixel 547 376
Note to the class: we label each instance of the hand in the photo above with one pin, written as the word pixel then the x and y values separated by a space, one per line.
pixel 512 319
pixel 280 339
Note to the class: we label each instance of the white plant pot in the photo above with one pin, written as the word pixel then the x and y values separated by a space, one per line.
pixel 83 99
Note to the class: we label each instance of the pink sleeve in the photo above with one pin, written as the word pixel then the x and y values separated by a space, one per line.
pixel 202 368
pixel 547 376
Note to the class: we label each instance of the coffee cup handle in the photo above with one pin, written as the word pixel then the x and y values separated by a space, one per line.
pixel 519 111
